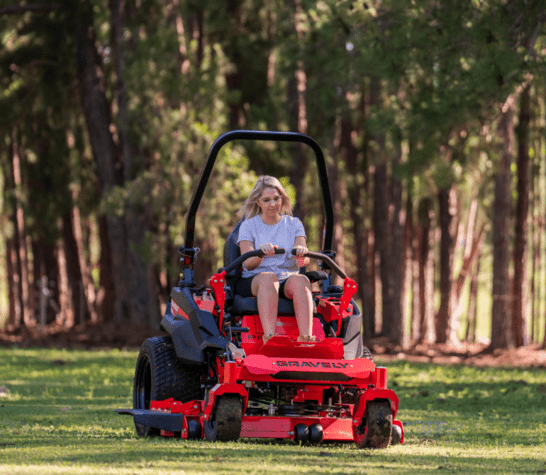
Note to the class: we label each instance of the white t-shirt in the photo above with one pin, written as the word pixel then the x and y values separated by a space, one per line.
pixel 283 234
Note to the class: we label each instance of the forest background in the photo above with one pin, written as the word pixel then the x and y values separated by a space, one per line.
pixel 432 116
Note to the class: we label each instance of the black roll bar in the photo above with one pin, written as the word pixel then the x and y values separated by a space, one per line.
pixel 268 136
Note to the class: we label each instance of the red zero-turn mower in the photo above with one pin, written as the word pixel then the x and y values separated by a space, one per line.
pixel 213 377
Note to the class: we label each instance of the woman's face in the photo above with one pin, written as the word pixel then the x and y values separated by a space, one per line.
pixel 270 202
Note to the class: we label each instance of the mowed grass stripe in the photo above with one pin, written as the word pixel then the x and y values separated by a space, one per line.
pixel 57 417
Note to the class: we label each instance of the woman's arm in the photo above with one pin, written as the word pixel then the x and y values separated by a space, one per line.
pixel 300 244
pixel 253 262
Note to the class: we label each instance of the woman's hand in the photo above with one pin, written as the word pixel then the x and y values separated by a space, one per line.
pixel 300 255
pixel 268 249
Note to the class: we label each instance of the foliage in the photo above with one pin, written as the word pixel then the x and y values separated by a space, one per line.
pixel 420 84
pixel 456 419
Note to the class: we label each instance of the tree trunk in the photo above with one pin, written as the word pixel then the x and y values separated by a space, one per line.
pixel 534 293
pixel 426 273
pixel 67 317
pixel 106 297
pixel 396 260
pixel 501 334
pixel 472 246
pixel 46 280
pixel 14 311
pixel 20 283
pixel 76 288
pixel 297 117
pixel 447 202
pixel 472 313
pixel 144 305
pixel 360 235
pixel 338 195
pixel 87 277
pixel 416 237
pixel 411 240
pixel 519 302
pixel 135 293
pixel 381 240
pixel 97 114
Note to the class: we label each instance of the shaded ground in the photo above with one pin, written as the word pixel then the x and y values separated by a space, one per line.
pixel 115 335
pixel 473 354
pixel 108 335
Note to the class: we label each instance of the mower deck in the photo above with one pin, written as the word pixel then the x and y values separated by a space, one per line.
pixel 307 417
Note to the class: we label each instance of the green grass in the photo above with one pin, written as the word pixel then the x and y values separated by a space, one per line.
pixel 57 417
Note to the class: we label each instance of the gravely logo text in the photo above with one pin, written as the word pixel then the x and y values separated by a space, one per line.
pixel 309 364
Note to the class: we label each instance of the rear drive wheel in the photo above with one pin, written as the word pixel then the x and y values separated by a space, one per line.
pixel 376 428
pixel 226 421
pixel 160 375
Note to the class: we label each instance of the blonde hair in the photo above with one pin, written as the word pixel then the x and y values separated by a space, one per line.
pixel 250 207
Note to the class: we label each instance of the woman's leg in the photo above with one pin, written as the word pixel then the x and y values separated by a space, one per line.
pixel 265 286
pixel 298 288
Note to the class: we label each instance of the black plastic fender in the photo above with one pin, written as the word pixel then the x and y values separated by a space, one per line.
pixel 192 335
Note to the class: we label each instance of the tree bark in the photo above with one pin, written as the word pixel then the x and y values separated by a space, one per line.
pixel 426 273
pixel 396 260
pixel 67 316
pixel 13 301
pixel 472 246
pixel 381 239
pixel 519 302
pixel 446 199
pixel 106 297
pixel 472 313
pixel 338 196
pixel 297 116
pixel 501 334
pixel 20 282
pixel 357 215
pixel 535 233
pixel 415 256
pixel 87 278
pixel 76 288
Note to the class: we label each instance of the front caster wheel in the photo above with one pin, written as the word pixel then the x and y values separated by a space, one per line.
pixel 226 421
pixel 396 437
pixel 376 428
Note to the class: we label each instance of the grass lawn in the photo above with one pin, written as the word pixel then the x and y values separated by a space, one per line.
pixel 57 417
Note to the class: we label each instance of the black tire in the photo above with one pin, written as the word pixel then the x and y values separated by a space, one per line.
pixel 159 375
pixel 376 428
pixel 226 421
